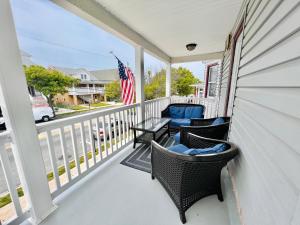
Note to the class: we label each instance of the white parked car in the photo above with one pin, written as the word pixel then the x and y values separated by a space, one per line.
pixel 39 114
pixel 42 113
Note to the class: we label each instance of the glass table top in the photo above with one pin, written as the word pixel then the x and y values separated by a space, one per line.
pixel 152 124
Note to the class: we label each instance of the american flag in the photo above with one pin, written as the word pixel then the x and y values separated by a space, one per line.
pixel 127 83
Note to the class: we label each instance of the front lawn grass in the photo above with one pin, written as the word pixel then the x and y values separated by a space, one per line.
pixel 100 104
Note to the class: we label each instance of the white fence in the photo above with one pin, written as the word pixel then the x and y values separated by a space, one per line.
pixel 74 146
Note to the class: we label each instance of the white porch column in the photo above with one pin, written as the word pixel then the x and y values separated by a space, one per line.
pixel 168 81
pixel 140 80
pixel 17 111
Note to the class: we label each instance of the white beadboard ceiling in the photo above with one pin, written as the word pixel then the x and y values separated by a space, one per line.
pixel 171 24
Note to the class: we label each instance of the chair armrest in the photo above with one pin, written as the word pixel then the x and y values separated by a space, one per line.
pixel 165 112
pixel 214 132
pixel 194 141
pixel 201 122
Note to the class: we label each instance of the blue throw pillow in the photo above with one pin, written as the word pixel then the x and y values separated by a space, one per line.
pixel 180 122
pixel 218 121
pixel 188 112
pixel 202 151
pixel 177 138
pixel 193 112
pixel 176 112
pixel 178 148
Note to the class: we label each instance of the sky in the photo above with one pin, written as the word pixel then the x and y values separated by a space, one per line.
pixel 56 37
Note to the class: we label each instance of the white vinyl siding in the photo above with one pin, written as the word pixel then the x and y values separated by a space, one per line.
pixel 224 82
pixel 266 115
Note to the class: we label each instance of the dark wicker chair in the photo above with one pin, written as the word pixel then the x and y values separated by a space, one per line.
pixel 189 178
pixel 166 113
pixel 203 128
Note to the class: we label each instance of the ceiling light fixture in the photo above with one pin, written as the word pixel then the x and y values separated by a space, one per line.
pixel 191 46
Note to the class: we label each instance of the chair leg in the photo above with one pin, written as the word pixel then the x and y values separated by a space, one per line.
pixel 219 191
pixel 220 196
pixel 152 177
pixel 182 217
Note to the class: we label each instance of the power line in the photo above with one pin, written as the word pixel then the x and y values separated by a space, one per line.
pixel 64 46
pixel 68 47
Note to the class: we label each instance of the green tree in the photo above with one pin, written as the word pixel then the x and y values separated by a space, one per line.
pixel 113 91
pixel 184 81
pixel 156 87
pixel 181 80
pixel 48 81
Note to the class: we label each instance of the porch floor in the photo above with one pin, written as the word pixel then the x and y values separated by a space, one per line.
pixel 115 194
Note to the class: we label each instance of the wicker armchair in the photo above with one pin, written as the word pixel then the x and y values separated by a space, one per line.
pixel 203 128
pixel 189 178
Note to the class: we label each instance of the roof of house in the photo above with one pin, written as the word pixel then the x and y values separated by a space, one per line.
pixel 96 76
pixel 108 75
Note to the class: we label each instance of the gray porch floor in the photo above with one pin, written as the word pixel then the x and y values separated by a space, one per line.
pixel 115 194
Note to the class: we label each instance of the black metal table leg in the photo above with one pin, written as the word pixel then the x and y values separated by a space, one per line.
pixel 134 140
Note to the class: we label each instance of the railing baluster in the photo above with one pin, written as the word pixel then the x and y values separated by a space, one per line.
pixel 64 152
pixel 84 146
pixel 123 128
pixel 127 126
pixel 75 149
pixel 92 141
pixel 119 129
pixel 130 122
pixel 104 134
pixel 10 178
pixel 98 139
pixel 53 158
pixel 115 132
pixel 110 134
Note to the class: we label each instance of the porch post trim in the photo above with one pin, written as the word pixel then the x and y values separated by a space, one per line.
pixel 139 81
pixel 17 112
pixel 168 80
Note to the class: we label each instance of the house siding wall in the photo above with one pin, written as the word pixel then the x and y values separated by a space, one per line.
pixel 266 115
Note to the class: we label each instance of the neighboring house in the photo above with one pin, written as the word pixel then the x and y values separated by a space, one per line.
pixel 91 87
pixel 198 89
pixel 212 78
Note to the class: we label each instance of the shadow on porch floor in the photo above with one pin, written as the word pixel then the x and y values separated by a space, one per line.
pixel 115 194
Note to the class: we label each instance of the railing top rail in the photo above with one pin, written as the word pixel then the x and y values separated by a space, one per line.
pixel 156 99
pixel 78 118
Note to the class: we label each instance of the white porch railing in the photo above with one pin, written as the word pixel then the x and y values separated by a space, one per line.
pixel 15 213
pixel 86 90
pixel 84 142
pixel 154 107
pixel 74 146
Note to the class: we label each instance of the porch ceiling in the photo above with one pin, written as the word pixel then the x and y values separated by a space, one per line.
pixel 171 24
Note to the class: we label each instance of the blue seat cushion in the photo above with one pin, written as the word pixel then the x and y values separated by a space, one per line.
pixel 176 112
pixel 178 148
pixel 201 151
pixel 180 122
pixel 193 112
pixel 218 121
pixel 177 138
